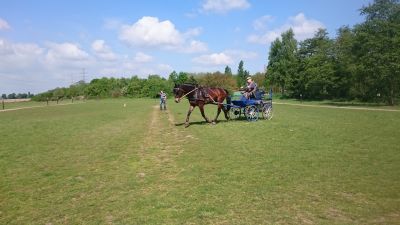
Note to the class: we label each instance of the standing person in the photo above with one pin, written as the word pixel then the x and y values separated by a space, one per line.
pixel 251 88
pixel 163 100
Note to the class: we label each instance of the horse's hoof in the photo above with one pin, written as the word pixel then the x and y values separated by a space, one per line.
pixel 213 123
pixel 186 125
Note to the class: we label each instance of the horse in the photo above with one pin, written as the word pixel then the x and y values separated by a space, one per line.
pixel 200 96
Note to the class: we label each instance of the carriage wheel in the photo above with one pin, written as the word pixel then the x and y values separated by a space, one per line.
pixel 251 112
pixel 234 113
pixel 267 112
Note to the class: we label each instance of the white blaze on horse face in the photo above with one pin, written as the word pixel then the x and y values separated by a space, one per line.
pixel 177 100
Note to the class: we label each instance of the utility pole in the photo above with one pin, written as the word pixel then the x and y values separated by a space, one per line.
pixel 83 75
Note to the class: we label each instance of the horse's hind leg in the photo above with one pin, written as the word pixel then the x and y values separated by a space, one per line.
pixel 218 112
pixel 191 107
pixel 201 107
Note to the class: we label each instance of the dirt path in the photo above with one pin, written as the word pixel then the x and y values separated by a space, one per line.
pixel 162 145
pixel 338 107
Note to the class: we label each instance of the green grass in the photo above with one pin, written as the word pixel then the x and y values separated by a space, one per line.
pixel 102 163
pixel 357 104
pixel 14 105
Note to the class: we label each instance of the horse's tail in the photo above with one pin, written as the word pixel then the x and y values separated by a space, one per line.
pixel 228 100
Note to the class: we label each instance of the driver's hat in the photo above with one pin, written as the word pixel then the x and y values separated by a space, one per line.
pixel 248 78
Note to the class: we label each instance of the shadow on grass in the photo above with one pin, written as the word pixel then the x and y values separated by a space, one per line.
pixel 201 123
pixel 339 103
pixel 361 104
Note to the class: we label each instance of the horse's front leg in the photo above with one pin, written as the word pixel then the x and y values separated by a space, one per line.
pixel 191 107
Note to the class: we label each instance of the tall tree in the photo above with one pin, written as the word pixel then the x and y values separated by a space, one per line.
pixel 317 66
pixel 228 71
pixel 378 50
pixel 241 76
pixel 345 64
pixel 182 78
pixel 173 77
pixel 282 61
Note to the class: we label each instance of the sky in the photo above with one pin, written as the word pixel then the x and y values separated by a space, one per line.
pixel 46 44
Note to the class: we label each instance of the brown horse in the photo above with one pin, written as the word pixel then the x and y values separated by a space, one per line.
pixel 200 96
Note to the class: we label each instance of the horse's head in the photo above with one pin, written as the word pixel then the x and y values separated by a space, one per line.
pixel 181 90
pixel 178 92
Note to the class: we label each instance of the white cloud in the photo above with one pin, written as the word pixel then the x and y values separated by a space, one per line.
pixel 193 47
pixel 4 25
pixel 303 28
pixel 164 68
pixel 140 57
pixel 266 38
pixel 149 31
pixel 193 32
pixel 19 55
pixel 103 51
pixel 65 52
pixel 223 6
pixel 227 57
pixel 29 67
pixel 133 67
pixel 21 65
pixel 112 24
pixel 261 23
pixel 215 59
pixel 238 55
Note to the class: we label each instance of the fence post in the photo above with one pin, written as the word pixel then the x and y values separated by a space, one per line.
pixel 47 100
pixel 2 102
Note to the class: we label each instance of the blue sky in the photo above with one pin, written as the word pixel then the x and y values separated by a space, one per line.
pixel 46 44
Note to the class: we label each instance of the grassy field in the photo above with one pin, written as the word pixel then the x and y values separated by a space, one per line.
pixel 348 104
pixel 102 163
pixel 15 105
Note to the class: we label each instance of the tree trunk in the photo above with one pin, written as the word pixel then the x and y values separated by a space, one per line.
pixel 391 96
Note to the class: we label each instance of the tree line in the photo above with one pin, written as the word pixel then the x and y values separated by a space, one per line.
pixel 362 62
pixel 149 87
pixel 17 96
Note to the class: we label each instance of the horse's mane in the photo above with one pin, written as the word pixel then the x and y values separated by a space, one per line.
pixel 189 84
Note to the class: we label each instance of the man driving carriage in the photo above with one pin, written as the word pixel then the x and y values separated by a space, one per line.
pixel 250 89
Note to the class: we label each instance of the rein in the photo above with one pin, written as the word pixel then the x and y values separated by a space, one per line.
pixel 187 94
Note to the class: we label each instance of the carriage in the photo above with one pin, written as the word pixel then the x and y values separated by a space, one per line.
pixel 199 96
pixel 259 105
